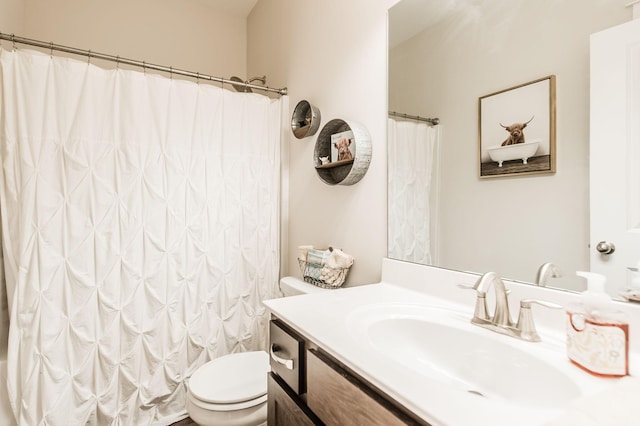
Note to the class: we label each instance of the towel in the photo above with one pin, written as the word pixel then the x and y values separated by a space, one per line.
pixel 317 257
pixel 315 262
pixel 339 259
pixel 302 252
pixel 335 268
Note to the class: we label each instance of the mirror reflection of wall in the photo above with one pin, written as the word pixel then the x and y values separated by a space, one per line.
pixel 510 225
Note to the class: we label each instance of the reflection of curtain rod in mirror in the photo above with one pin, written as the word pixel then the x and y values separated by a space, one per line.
pixel 635 4
pixel 432 121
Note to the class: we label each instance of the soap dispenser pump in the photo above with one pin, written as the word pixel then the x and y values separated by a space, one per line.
pixel 597 334
pixel 595 300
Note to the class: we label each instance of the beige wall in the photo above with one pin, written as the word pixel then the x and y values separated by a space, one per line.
pixel 11 17
pixel 481 51
pixel 333 54
pixel 189 35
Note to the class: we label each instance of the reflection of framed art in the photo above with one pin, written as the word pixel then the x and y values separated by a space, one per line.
pixel 517 129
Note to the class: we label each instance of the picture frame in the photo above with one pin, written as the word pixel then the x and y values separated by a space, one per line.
pixel 517 130
pixel 349 139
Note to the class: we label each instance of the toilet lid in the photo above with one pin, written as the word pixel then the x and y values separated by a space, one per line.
pixel 231 378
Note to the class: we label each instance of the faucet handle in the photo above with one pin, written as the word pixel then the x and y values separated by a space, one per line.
pixel 525 325
pixel 507 291
pixel 467 286
pixel 479 285
pixel 480 310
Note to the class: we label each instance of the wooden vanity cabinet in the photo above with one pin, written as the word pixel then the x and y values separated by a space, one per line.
pixel 284 407
pixel 332 394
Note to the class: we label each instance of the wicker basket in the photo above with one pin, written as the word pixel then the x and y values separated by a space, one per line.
pixel 322 275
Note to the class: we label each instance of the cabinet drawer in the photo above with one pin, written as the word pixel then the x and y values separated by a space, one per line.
pixel 337 397
pixel 287 356
pixel 285 408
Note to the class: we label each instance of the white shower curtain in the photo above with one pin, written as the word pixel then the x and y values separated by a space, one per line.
pixel 412 147
pixel 140 227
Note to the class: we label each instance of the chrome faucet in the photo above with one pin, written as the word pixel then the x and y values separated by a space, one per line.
pixel 501 321
pixel 501 314
pixel 546 271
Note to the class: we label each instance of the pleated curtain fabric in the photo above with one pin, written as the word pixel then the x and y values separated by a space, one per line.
pixel 140 227
pixel 411 153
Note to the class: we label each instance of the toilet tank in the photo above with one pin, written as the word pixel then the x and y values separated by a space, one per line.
pixel 292 286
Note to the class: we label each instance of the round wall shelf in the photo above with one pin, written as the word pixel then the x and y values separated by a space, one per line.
pixel 335 170
pixel 305 120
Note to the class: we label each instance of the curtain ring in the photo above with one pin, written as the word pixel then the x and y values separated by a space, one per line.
pixel 144 67
pixel 118 62
pixel 197 78
pixel 51 49
pixel 170 72
pixel 89 57
pixel 13 42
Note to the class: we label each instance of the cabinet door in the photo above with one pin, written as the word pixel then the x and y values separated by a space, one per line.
pixel 337 397
pixel 282 407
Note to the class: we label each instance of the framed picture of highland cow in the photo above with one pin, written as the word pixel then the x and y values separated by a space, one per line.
pixel 342 146
pixel 517 130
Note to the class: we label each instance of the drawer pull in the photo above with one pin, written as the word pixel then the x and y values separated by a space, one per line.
pixel 288 363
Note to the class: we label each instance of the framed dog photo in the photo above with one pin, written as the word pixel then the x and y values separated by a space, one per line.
pixel 517 130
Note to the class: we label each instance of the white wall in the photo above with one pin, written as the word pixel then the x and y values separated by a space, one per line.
pixel 481 50
pixel 333 54
pixel 189 35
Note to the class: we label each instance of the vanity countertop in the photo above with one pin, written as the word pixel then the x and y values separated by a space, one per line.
pixel 324 318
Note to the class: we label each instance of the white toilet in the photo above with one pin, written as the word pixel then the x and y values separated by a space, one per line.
pixel 232 390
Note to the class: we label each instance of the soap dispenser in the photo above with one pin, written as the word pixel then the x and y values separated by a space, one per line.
pixel 597 333
pixel 595 300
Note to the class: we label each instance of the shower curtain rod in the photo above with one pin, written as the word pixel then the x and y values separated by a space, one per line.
pixel 117 59
pixel 432 121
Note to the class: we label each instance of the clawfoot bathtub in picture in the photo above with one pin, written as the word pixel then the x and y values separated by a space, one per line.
pixel 521 151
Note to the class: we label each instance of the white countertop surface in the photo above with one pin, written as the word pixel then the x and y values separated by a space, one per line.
pixel 324 317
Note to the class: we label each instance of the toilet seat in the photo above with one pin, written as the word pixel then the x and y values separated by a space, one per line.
pixel 228 407
pixel 231 382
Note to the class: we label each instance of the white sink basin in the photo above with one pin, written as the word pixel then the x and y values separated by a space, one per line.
pixel 442 345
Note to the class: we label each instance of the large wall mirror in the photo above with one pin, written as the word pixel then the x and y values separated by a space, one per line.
pixel 443 57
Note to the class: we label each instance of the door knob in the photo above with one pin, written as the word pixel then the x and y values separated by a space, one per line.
pixel 605 247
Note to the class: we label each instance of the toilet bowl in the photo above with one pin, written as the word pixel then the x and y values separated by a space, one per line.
pixel 232 390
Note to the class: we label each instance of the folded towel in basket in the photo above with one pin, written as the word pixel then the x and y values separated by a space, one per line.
pixel 315 262
pixel 317 257
pixel 303 251
pixel 339 259
pixel 335 267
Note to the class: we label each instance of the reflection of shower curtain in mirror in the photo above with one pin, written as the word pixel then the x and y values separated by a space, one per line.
pixel 140 233
pixel 411 150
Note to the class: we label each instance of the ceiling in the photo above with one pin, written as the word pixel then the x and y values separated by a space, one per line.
pixel 410 17
pixel 236 7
